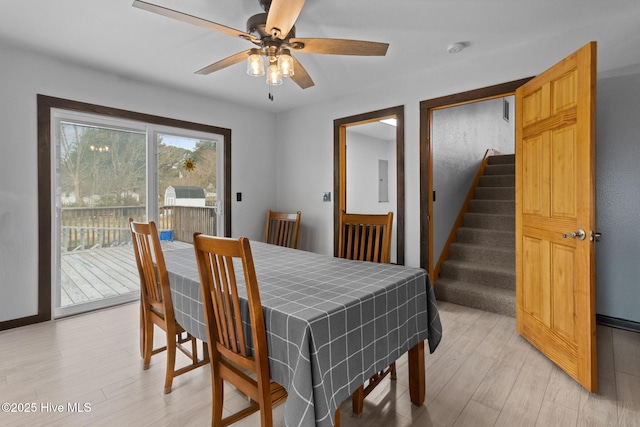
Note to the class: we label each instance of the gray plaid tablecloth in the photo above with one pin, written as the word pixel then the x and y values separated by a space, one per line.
pixel 331 323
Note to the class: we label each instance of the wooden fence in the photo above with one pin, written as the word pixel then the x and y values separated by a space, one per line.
pixel 92 228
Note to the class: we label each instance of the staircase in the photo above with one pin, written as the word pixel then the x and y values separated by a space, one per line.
pixel 480 271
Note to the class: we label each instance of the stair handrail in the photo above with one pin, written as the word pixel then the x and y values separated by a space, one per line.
pixel 453 234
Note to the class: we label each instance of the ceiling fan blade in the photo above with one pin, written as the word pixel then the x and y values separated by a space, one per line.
pixel 282 16
pixel 341 47
pixel 190 19
pixel 224 63
pixel 301 77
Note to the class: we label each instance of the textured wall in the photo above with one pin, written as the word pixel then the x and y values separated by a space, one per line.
pixel 618 197
pixel 460 137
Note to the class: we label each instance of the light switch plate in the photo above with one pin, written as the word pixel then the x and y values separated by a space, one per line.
pixel 326 197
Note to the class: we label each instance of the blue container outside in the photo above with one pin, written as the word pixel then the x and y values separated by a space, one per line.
pixel 166 235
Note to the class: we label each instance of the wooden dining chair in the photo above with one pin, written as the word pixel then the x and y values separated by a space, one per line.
pixel 366 237
pixel 231 360
pixel 282 229
pixel 156 306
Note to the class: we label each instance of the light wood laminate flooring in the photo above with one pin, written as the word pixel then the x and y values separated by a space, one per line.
pixel 482 374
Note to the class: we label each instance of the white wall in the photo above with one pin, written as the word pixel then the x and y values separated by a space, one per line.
pixel 23 75
pixel 363 154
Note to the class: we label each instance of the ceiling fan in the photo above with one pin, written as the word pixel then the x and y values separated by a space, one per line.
pixel 274 34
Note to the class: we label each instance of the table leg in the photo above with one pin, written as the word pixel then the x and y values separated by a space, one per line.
pixel 417 387
pixel 357 400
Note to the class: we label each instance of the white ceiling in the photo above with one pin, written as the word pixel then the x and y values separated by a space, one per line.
pixel 376 130
pixel 114 36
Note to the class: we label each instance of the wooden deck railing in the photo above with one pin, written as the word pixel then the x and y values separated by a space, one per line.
pixel 189 219
pixel 92 228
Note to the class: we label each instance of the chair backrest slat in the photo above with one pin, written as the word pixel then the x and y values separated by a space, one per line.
pixel 219 298
pixel 232 307
pixel 213 276
pixel 365 237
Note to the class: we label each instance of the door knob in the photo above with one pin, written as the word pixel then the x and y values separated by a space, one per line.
pixel 579 234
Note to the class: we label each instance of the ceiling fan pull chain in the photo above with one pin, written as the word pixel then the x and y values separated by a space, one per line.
pixel 270 93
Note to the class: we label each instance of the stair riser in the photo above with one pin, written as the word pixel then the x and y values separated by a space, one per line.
pixel 491 278
pixel 495 193
pixel 504 207
pixel 500 169
pixel 477 297
pixel 483 255
pixel 486 237
pixel 490 221
pixel 502 159
pixel 497 181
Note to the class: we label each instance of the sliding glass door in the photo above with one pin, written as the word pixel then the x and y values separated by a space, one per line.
pixel 109 170
pixel 188 184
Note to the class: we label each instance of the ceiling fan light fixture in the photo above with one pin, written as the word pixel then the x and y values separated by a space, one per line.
pixel 285 63
pixel 274 78
pixel 274 33
pixel 255 64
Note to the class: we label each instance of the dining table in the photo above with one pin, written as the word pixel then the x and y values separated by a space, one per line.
pixel 331 323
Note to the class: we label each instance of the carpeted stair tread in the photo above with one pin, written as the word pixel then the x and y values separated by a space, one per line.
pixel 502 238
pixel 482 254
pixel 495 193
pixel 500 169
pixel 497 181
pixel 501 301
pixel 502 159
pixel 506 207
pixel 490 221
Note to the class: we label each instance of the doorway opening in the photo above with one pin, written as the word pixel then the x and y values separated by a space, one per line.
pixel 427 109
pixel 365 186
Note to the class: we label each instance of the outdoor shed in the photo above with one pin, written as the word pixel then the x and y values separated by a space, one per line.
pixel 184 196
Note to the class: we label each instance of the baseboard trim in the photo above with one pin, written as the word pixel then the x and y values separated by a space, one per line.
pixel 618 323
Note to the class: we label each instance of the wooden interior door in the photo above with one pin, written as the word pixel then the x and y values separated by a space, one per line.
pixel 555 197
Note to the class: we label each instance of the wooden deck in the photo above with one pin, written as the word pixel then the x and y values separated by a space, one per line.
pixel 92 275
